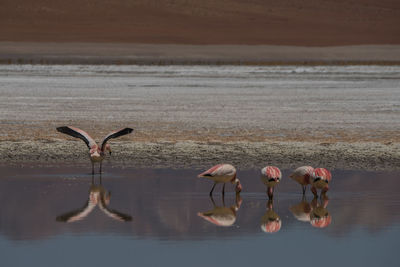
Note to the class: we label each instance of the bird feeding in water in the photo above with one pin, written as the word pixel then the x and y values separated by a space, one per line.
pixel 320 179
pixel 96 153
pixel 271 176
pixel 222 173
pixel 302 176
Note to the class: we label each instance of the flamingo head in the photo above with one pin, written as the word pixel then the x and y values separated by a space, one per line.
pixel 238 187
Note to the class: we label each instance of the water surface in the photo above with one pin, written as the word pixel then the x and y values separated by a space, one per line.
pixel 150 217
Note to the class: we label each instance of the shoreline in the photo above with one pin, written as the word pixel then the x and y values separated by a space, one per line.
pixel 48 53
pixel 188 154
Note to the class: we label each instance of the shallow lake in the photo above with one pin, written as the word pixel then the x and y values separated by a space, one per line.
pixel 64 216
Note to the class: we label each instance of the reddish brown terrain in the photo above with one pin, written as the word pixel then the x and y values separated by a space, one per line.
pixel 254 22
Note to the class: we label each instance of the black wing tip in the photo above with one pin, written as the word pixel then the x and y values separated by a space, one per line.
pixel 128 219
pixel 129 130
pixel 62 128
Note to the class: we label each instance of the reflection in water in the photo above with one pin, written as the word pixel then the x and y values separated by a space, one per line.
pixel 222 216
pixel 271 222
pixel 98 196
pixel 320 216
pixel 315 213
pixel 302 210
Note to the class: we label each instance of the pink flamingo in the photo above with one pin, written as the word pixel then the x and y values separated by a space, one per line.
pixel 96 153
pixel 222 173
pixel 271 176
pixel 320 180
pixel 302 176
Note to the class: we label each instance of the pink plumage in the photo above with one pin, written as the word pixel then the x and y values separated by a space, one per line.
pixel 271 176
pixel 322 173
pixel 222 173
pixel 272 172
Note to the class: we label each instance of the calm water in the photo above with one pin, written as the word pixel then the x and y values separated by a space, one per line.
pixel 148 217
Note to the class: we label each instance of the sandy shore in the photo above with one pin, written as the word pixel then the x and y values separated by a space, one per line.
pixel 351 156
pixel 339 117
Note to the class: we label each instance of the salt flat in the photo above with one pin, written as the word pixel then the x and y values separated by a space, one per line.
pixel 206 104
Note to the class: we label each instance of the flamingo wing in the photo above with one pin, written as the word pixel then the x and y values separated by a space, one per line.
pixel 77 215
pixel 219 170
pixel 115 135
pixel 78 133
pixel 114 214
pixel 272 172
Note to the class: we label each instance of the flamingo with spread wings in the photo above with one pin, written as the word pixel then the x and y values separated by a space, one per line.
pixel 96 153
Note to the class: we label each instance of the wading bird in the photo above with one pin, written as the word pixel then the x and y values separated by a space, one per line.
pixel 302 176
pixel 271 176
pixel 96 153
pixel 320 179
pixel 222 173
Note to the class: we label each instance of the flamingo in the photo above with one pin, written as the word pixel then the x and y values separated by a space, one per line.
pixel 222 216
pixel 222 173
pixel 271 176
pixel 96 154
pixel 320 179
pixel 271 222
pixel 302 176
pixel 98 196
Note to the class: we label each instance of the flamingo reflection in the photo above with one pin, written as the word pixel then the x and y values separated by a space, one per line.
pixel 320 216
pixel 222 216
pixel 98 196
pixel 271 222
pixel 302 210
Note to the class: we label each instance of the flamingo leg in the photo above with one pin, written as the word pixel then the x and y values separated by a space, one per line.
pixel 270 193
pixel 212 189
pixel 100 166
pixel 212 200
pixel 223 190
pixel 314 191
pixel 92 167
pixel 304 189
